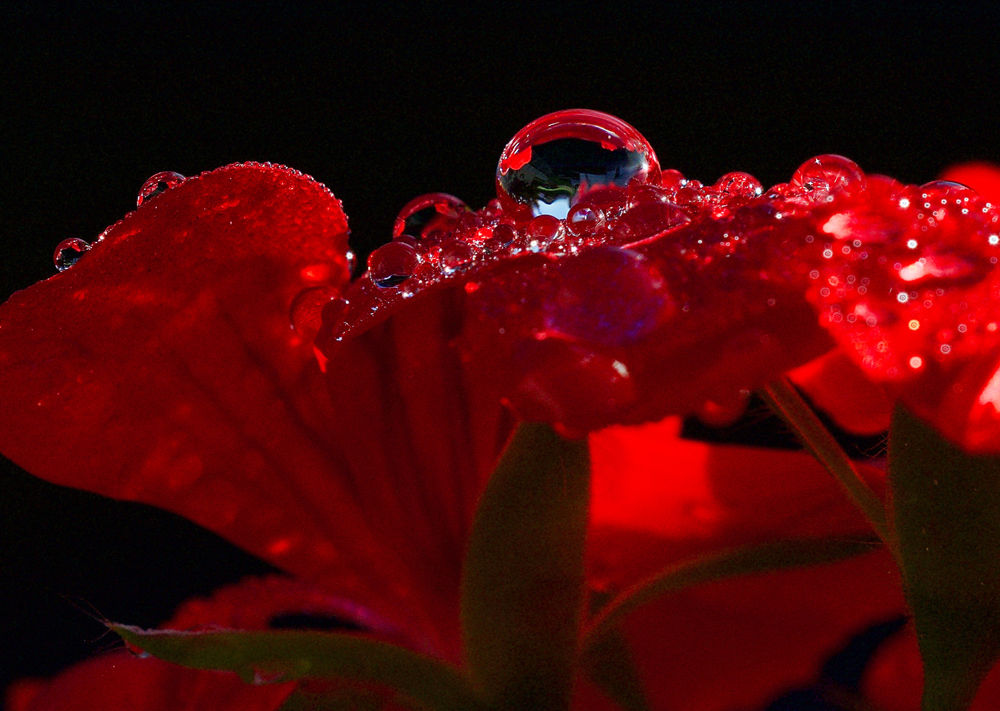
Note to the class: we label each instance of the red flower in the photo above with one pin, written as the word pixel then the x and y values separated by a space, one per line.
pixel 161 368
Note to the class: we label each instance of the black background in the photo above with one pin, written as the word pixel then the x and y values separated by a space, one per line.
pixel 383 104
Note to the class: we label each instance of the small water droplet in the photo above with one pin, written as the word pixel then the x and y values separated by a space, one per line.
pixel 738 185
pixel 584 220
pixel 306 310
pixel 824 175
pixel 429 215
pixel 159 183
pixel 566 157
pixel 504 235
pixel 68 252
pixel 454 255
pixel 392 264
pixel 543 231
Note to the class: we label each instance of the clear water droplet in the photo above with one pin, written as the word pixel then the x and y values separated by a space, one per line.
pixel 429 215
pixel 543 231
pixel 306 310
pixel 68 252
pixel 392 264
pixel 566 157
pixel 503 236
pixel 454 255
pixel 584 220
pixel 824 175
pixel 159 183
pixel 738 185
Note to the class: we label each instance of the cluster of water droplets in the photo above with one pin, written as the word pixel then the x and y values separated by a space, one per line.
pixel 71 250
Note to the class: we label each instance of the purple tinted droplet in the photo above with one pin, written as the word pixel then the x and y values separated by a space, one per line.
pixel 392 264
pixel 157 184
pixel 558 160
pixel 68 252
pixel 609 297
pixel 824 175
pixel 306 310
pixel 433 213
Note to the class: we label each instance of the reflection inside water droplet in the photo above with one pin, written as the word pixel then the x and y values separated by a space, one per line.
pixel 392 264
pixel 157 184
pixel 68 252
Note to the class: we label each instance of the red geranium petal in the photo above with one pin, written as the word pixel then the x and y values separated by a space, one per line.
pixel 161 368
pixel 982 177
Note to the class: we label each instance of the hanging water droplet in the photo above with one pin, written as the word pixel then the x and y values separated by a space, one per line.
pixel 307 308
pixel 68 252
pixel 392 264
pixel 824 175
pixel 430 214
pixel 159 183
pixel 563 158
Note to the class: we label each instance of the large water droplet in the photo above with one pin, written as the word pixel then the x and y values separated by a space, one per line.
pixel 429 215
pixel 392 264
pixel 68 252
pixel 566 157
pixel 159 183
pixel 822 176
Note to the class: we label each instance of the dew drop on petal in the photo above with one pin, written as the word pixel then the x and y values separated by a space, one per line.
pixel 454 255
pixel 584 220
pixel 428 214
pixel 738 185
pixel 543 231
pixel 159 183
pixel 824 175
pixel 560 159
pixel 392 264
pixel 503 236
pixel 68 252
pixel 306 310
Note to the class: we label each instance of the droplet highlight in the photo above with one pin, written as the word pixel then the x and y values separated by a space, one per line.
pixel 392 264
pixel 429 216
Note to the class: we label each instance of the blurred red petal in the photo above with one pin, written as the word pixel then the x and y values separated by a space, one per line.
pixel 839 388
pixel 895 677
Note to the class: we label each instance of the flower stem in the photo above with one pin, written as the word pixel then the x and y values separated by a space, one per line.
pixel 785 401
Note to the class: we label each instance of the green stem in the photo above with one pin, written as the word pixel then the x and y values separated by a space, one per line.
pixel 785 401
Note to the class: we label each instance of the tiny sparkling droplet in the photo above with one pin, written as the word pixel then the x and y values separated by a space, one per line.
pixel 68 252
pixel 503 236
pixel 157 184
pixel 392 264
pixel 738 185
pixel 429 214
pixel 560 159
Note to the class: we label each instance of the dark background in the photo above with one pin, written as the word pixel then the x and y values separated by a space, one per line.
pixel 382 105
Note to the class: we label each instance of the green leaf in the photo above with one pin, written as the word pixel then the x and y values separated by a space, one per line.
pixel 947 519
pixel 745 560
pixel 283 655
pixel 522 586
pixel 608 663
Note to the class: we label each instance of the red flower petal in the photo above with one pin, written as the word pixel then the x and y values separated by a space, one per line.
pixel 161 368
